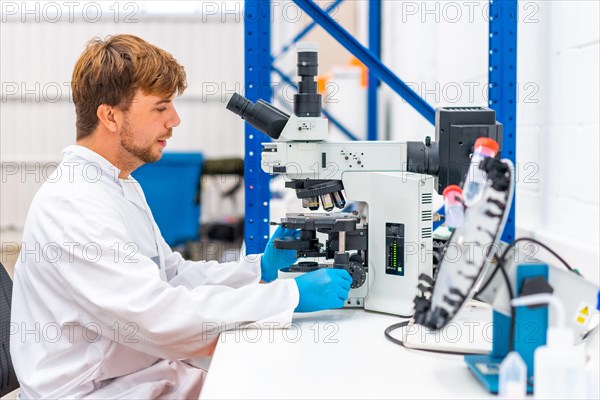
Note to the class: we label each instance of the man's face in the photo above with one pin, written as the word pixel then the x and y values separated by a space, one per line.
pixel 147 126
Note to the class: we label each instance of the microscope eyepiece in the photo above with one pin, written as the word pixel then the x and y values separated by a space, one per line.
pixel 261 115
pixel 238 104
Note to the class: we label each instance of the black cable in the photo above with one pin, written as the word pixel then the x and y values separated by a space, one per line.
pixel 388 334
pixel 546 247
pixel 508 248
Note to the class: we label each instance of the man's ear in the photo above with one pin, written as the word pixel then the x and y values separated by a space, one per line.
pixel 108 117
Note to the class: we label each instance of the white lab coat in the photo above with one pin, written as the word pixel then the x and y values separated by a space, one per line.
pixel 103 308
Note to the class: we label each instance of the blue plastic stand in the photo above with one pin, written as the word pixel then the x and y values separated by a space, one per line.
pixel 530 329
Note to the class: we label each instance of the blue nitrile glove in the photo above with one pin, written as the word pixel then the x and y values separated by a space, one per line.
pixel 323 289
pixel 274 259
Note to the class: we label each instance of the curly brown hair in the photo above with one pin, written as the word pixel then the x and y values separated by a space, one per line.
pixel 111 71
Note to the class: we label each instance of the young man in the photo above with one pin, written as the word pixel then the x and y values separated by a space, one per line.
pixel 101 305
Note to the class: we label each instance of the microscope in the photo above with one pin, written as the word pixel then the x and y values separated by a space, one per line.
pixel 389 245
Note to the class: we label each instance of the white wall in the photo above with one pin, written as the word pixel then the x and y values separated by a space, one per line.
pixel 557 111
pixel 559 134
pixel 38 48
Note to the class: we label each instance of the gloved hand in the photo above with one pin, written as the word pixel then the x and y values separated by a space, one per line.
pixel 274 259
pixel 323 289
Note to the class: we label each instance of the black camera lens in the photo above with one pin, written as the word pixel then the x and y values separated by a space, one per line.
pixel 307 102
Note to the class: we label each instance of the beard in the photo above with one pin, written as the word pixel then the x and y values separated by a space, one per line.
pixel 141 153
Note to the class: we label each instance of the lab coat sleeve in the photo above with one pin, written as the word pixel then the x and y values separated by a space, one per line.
pixel 114 290
pixel 180 272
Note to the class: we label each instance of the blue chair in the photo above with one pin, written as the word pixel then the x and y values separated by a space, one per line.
pixel 172 189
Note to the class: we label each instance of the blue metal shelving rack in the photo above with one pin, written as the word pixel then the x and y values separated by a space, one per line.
pixel 257 36
pixel 259 65
pixel 502 80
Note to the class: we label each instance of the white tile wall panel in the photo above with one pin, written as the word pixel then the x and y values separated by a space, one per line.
pixel 529 217
pixel 564 213
pixel 529 158
pixel 532 74
pixel 577 79
pixel 575 24
pixel 571 164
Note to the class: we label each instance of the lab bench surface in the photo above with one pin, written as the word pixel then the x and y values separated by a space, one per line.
pixel 335 354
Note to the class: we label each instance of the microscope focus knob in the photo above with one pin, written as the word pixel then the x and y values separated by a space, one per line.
pixel 358 273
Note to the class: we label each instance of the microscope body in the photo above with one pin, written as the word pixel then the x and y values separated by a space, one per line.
pixel 398 213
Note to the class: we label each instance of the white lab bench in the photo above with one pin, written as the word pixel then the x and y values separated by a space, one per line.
pixel 336 354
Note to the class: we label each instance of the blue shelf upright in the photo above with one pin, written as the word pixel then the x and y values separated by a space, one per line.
pixel 375 48
pixel 257 40
pixel 502 93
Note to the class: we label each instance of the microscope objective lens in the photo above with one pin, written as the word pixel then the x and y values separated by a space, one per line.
pixel 327 202
pixel 340 202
